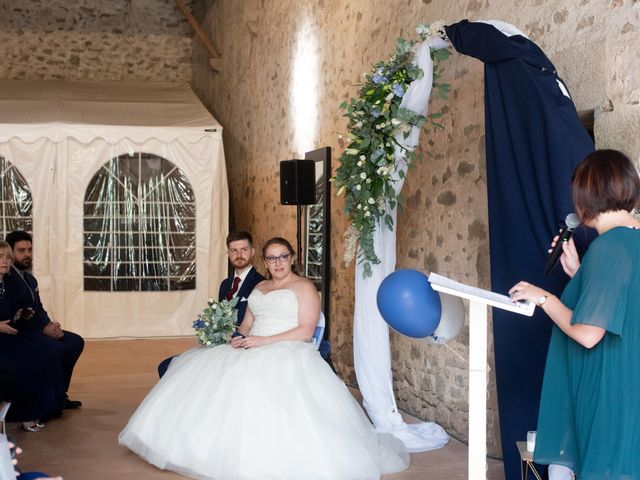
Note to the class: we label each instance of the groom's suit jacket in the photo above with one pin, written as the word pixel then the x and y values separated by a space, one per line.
pixel 252 279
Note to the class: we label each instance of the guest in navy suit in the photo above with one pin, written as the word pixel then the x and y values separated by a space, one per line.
pixel 43 331
pixel 29 372
pixel 245 277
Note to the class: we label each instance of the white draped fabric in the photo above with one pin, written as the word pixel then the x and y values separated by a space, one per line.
pixel 372 353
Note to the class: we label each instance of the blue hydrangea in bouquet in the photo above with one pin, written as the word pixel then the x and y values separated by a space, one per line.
pixel 217 322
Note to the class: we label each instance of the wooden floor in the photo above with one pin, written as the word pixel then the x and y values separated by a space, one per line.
pixel 111 379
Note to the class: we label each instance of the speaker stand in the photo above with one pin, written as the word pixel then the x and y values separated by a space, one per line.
pixel 299 234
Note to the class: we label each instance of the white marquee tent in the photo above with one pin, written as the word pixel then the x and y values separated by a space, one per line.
pixel 80 148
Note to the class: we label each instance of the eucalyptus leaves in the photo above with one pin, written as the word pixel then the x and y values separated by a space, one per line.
pixel 365 175
pixel 217 322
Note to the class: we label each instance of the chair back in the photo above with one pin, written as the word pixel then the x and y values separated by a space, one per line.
pixel 319 331
pixel 4 408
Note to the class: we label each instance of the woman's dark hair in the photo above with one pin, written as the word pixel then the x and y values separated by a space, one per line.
pixel 279 241
pixel 605 181
pixel 239 235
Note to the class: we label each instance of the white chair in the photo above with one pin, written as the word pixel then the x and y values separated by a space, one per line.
pixel 4 408
pixel 319 331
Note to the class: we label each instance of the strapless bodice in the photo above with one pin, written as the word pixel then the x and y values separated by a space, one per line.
pixel 273 312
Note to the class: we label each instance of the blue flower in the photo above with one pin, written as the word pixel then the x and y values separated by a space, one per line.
pixel 397 90
pixel 198 324
pixel 375 112
pixel 378 152
pixel 377 78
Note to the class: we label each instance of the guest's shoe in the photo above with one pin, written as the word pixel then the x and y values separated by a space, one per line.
pixel 72 404
pixel 31 428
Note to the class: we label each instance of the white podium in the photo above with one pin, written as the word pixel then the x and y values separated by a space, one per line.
pixel 478 301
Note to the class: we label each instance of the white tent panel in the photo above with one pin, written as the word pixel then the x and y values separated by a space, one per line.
pixel 58 135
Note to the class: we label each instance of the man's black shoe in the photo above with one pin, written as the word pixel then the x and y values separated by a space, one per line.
pixel 72 404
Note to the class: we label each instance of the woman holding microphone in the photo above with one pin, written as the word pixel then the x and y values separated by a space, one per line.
pixel 589 419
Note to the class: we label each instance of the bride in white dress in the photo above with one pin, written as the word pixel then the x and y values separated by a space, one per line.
pixel 263 407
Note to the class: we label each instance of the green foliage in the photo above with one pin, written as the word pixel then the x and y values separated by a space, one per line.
pixel 367 166
pixel 217 322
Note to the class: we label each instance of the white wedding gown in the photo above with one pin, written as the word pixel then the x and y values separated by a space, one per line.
pixel 272 412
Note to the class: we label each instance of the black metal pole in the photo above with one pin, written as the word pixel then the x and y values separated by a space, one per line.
pixel 299 235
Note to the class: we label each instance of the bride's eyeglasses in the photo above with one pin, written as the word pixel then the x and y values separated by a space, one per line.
pixel 283 258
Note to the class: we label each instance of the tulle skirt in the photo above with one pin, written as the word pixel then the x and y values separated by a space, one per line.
pixel 272 412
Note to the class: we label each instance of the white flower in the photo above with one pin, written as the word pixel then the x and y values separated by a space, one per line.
pixel 389 97
pixel 366 207
pixel 363 158
pixel 368 180
pixel 367 214
pixel 359 207
pixel 358 124
pixel 395 122
pixel 351 244
pixel 371 201
pixel 352 151
pixel 359 163
pixel 363 175
pixel 358 187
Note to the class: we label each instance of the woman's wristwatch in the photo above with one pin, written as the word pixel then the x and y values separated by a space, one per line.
pixel 542 300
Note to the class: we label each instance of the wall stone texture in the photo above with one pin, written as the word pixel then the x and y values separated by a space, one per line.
pixel 444 226
pixel 116 40
pixel 594 44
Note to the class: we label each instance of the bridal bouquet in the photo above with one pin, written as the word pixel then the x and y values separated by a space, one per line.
pixel 217 322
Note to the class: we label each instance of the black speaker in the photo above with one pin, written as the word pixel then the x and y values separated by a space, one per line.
pixel 297 182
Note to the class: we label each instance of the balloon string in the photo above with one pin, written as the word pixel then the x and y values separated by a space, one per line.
pixel 466 361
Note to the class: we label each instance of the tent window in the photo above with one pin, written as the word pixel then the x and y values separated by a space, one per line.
pixel 15 199
pixel 139 227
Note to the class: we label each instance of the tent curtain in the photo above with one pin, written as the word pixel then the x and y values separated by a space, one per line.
pixel 58 175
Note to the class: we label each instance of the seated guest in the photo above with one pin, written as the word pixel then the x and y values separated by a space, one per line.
pixel 32 374
pixel 245 277
pixel 43 330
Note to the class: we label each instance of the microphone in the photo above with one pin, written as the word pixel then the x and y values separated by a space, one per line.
pixel 571 222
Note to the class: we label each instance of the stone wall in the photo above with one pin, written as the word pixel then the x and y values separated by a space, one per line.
pixel 135 40
pixel 444 226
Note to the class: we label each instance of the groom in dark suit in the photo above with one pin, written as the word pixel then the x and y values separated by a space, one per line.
pixel 245 277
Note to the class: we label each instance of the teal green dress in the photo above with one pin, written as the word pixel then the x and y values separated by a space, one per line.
pixel 589 417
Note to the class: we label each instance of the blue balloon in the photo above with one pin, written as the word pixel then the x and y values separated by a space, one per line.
pixel 408 304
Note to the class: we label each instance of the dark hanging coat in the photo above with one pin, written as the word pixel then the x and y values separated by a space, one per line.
pixel 534 140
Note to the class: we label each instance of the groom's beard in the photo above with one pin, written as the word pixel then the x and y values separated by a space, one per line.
pixel 240 263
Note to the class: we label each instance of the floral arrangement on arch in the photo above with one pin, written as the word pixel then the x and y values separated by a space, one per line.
pixel 375 118
pixel 217 322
